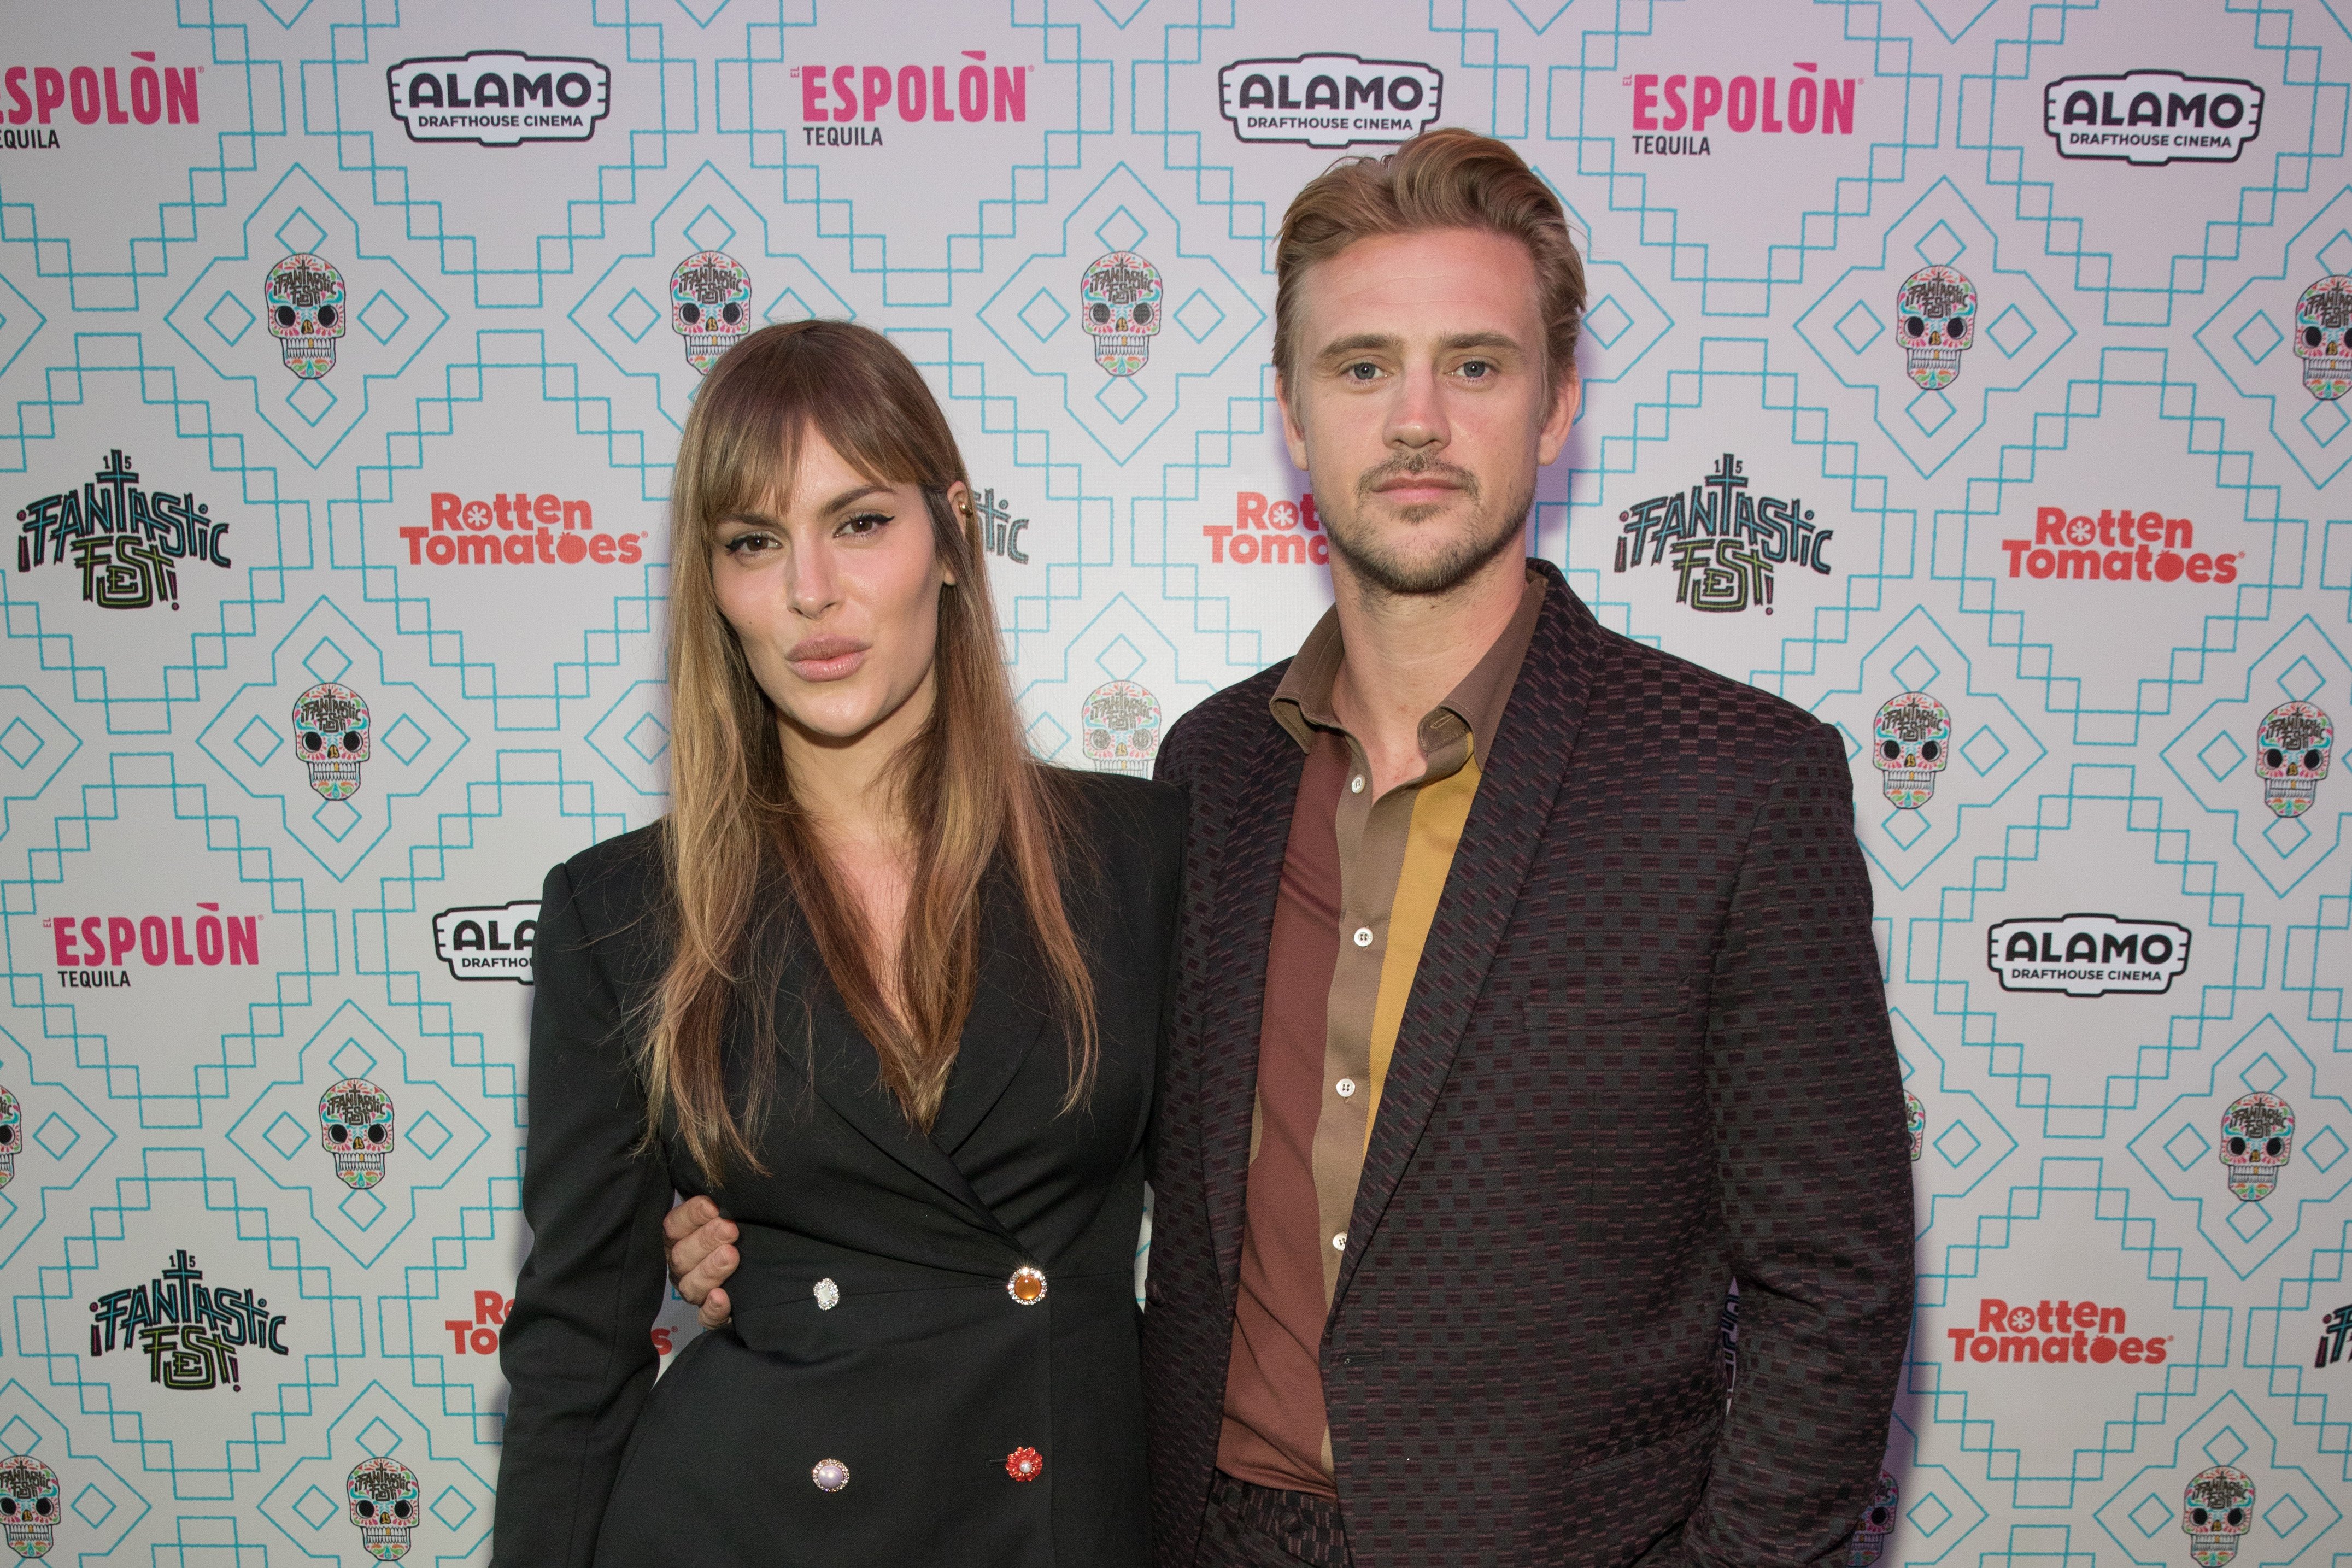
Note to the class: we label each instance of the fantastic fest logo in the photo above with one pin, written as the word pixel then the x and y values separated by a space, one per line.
pixel 143 94
pixel 516 529
pixel 710 306
pixel 1722 543
pixel 191 1333
pixel 2152 117
pixel 1121 299
pixel 28 1505
pixel 499 98
pixel 2292 750
pixel 95 951
pixel 2087 955
pixel 489 943
pixel 1812 105
pixel 302 299
pixel 843 106
pixel 2117 546
pixel 126 541
pixel 1330 100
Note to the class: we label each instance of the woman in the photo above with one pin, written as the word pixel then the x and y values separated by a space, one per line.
pixel 884 989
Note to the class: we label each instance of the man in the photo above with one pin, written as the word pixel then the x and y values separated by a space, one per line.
pixel 1526 997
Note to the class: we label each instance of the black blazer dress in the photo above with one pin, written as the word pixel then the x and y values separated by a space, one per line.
pixel 933 1357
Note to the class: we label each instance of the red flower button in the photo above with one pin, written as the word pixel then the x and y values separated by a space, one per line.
pixel 1024 1464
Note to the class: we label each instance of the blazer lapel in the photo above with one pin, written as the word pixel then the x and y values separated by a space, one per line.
pixel 1249 881
pixel 1515 788
pixel 1006 1019
pixel 849 1078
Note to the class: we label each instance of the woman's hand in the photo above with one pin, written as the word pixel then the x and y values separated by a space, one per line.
pixel 700 1244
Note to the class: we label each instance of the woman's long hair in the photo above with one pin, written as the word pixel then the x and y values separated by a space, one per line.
pixel 748 875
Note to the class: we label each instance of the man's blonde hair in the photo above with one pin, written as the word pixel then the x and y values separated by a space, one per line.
pixel 1442 179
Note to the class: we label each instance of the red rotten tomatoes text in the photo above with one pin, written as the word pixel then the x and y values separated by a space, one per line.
pixel 1293 533
pixel 2069 1332
pixel 2117 546
pixel 516 529
pixel 481 1337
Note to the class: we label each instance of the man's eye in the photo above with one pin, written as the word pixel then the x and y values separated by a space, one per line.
pixel 1477 369
pixel 1359 371
pixel 863 524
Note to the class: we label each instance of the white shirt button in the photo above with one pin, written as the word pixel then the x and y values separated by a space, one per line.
pixel 1339 1242
pixel 1346 1086
pixel 1356 785
pixel 1363 935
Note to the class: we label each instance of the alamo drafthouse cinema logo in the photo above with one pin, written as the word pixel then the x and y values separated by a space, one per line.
pixel 489 943
pixel 2152 118
pixel 190 1333
pixel 1330 100
pixel 2087 955
pixel 499 98
pixel 126 541
pixel 1722 543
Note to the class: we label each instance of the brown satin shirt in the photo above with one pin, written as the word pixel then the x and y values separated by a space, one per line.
pixel 1361 882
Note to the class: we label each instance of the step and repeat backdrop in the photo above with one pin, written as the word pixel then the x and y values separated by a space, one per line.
pixel 1970 372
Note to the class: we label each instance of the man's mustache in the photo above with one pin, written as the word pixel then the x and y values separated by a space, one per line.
pixel 1418 467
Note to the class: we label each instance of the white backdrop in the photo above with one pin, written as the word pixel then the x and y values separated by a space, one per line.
pixel 1981 354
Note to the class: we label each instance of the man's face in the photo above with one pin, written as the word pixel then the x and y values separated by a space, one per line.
pixel 1422 405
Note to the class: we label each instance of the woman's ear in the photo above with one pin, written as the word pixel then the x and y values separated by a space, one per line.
pixel 959 499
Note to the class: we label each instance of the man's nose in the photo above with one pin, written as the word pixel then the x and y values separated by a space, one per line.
pixel 1417 417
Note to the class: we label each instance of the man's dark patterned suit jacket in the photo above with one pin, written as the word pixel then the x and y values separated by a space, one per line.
pixel 1646 1053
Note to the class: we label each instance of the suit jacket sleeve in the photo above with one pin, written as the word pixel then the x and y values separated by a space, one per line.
pixel 1815 1177
pixel 577 1347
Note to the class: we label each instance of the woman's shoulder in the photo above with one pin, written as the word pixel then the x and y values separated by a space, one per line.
pixel 1122 808
pixel 614 883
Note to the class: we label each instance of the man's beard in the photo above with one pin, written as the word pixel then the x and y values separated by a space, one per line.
pixel 1387 569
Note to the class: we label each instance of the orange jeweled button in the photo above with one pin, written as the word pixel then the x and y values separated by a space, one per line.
pixel 1024 1464
pixel 1027 1285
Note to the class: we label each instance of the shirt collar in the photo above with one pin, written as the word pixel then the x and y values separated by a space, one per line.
pixel 1302 703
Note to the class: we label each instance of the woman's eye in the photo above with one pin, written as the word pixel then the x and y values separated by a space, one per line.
pixel 863 524
pixel 750 544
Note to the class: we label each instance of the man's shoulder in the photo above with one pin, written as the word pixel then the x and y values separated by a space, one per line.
pixel 1648 696
pixel 1229 727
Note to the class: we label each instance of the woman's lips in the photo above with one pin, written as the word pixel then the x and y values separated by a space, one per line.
pixel 826 658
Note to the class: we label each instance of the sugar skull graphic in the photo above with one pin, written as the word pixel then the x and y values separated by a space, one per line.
pixel 1914 1124
pixel 2217 1510
pixel 1912 743
pixel 2323 321
pixel 1119 728
pixel 710 306
pixel 12 1135
pixel 1119 301
pixel 1876 1524
pixel 384 1495
pixel 1936 322
pixel 2257 1141
pixel 330 737
pixel 2292 751
pixel 307 312
pixel 355 1126
pixel 28 1505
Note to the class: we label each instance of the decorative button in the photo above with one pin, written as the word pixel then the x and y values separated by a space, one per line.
pixel 830 1474
pixel 1363 935
pixel 828 1295
pixel 1027 1285
pixel 1024 1464
pixel 1356 785
pixel 1339 1242
pixel 1346 1086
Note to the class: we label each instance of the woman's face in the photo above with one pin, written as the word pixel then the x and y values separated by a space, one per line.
pixel 836 599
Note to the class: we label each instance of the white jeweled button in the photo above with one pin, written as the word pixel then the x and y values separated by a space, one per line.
pixel 828 1295
pixel 830 1474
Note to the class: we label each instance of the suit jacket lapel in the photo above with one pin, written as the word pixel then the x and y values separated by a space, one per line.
pixel 1007 1016
pixel 849 1078
pixel 1515 788
pixel 1249 881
